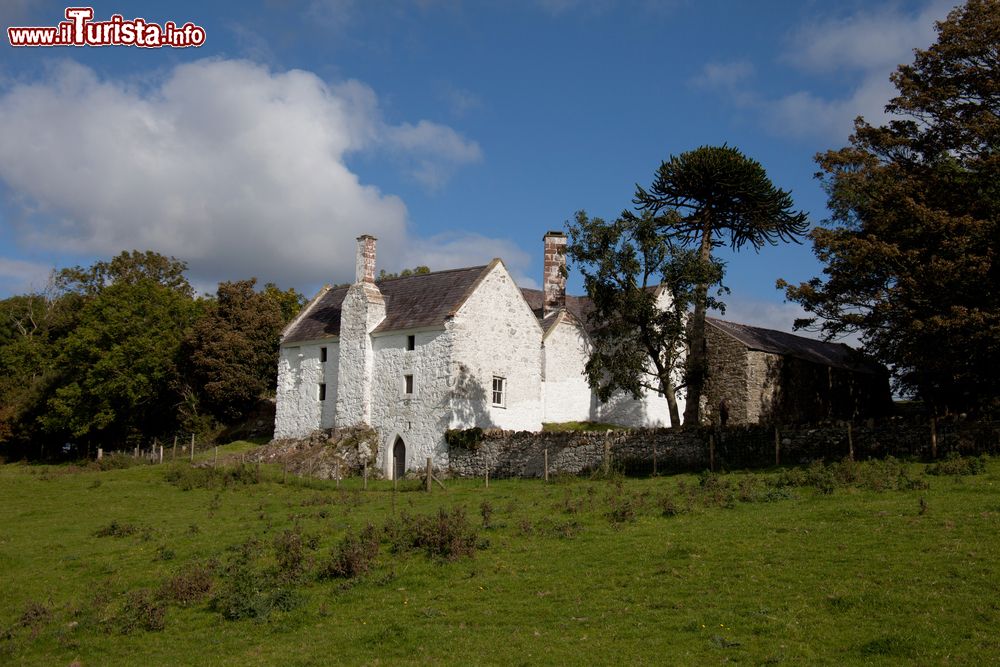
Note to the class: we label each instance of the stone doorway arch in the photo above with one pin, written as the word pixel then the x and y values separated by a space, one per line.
pixel 398 459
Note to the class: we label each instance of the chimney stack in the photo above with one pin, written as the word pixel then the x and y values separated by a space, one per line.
pixel 554 272
pixel 364 266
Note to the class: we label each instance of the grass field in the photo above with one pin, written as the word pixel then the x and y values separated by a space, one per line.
pixel 860 564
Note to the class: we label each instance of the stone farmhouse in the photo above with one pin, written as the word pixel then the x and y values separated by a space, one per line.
pixel 416 356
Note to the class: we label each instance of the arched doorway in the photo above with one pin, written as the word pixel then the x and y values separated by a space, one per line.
pixel 398 459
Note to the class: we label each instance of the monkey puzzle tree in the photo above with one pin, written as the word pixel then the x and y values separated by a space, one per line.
pixel 706 198
pixel 912 243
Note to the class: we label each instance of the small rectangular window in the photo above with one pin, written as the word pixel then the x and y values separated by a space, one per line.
pixel 407 384
pixel 322 354
pixel 499 391
pixel 411 342
pixel 322 392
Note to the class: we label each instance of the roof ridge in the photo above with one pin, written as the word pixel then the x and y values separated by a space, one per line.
pixel 434 273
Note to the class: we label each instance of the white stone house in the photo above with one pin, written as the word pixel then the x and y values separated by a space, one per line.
pixel 416 356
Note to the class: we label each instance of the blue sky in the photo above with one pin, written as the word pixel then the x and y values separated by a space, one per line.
pixel 453 131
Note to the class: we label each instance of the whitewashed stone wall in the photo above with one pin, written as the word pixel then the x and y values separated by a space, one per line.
pixel 361 312
pixel 422 417
pixel 496 334
pixel 298 410
pixel 567 395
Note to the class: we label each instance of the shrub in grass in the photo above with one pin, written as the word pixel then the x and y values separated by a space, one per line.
pixel 623 508
pixel 354 556
pixel 486 511
pixel 116 461
pixel 956 465
pixel 248 592
pixel 189 586
pixel 448 535
pixel 138 610
pixel 117 529
pixel 187 477
pixel 290 549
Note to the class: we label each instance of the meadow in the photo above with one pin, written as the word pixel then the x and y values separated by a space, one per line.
pixel 851 563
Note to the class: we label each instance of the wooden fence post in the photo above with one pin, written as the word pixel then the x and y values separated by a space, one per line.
pixel 174 455
pixel 546 453
pixel 850 441
pixel 487 478
pixel 933 437
pixel 100 453
pixel 192 448
pixel 607 456
pixel 136 454
pixel 215 463
pixel 777 447
pixel 654 459
pixel 430 474
pixel 161 453
pixel 365 485
pixel 711 452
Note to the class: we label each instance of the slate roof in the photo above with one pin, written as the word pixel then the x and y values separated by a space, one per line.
pixel 837 355
pixel 414 301
pixel 578 306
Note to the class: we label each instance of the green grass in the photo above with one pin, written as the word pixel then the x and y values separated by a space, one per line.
pixel 557 427
pixel 577 571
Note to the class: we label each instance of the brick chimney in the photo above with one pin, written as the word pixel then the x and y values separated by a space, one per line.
pixel 554 272
pixel 364 266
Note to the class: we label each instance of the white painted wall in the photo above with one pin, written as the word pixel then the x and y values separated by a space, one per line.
pixel 422 417
pixel 496 334
pixel 361 312
pixel 298 411
pixel 567 396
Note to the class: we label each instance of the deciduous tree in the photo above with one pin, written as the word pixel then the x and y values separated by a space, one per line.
pixel 910 250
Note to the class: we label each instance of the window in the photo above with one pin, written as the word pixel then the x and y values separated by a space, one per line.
pixel 322 354
pixel 499 391
pixel 411 343
pixel 407 384
pixel 322 392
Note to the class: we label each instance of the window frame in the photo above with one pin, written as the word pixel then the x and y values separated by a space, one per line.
pixel 322 392
pixel 501 392
pixel 411 342
pixel 322 355
pixel 408 385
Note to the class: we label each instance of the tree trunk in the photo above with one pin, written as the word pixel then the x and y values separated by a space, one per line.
pixel 668 391
pixel 696 362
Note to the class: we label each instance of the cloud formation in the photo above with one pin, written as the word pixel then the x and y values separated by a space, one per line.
pixel 865 46
pixel 232 167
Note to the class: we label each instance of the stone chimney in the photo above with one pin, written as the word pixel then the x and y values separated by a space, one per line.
pixel 554 272
pixel 364 265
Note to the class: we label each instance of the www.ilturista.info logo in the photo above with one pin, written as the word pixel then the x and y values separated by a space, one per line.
pixel 80 30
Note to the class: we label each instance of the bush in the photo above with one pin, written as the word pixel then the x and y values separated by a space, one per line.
pixel 115 529
pixel 448 535
pixel 187 477
pixel 466 438
pixel 957 465
pixel 246 592
pixel 139 610
pixel 354 556
pixel 188 587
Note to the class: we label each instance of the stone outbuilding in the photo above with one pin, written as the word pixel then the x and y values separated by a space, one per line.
pixel 760 375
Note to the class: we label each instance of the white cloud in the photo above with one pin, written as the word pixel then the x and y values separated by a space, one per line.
pixel 20 276
pixel 238 170
pixel 866 47
pixel 469 249
pixel 725 75
pixel 878 39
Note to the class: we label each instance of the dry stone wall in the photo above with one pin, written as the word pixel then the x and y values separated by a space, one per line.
pixel 522 453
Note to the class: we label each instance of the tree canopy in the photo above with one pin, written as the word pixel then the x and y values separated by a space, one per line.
pixel 706 198
pixel 911 245
pixel 123 349
pixel 642 287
